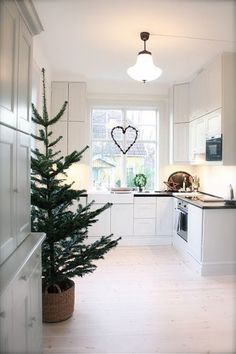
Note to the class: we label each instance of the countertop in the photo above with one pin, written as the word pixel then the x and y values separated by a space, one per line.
pixel 205 205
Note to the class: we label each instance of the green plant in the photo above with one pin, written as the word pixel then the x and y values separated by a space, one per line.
pixel 140 180
pixel 64 252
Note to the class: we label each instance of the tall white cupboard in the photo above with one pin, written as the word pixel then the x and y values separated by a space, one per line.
pixel 20 253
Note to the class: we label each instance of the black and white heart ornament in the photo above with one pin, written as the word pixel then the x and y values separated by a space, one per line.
pixel 124 131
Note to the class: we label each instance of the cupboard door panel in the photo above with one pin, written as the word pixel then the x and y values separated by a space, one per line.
pixel 20 304
pixel 144 227
pixel 60 129
pixel 122 219
pixel 7 191
pixel 164 216
pixel 181 103
pixel 24 79
pixel 9 30
pixel 6 321
pixel 180 146
pixel 23 187
pixel 77 101
pixel 59 96
pixel 103 226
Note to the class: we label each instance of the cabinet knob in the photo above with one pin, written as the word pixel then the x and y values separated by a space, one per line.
pixel 23 277
pixel 15 190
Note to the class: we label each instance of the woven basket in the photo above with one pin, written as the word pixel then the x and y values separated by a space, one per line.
pixel 60 306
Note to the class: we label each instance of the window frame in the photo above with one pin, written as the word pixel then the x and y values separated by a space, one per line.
pixel 124 108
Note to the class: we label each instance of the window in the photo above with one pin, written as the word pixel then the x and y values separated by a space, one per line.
pixel 112 168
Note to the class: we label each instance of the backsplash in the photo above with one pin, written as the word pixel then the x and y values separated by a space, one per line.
pixel 216 179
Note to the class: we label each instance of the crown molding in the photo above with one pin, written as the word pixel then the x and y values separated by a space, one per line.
pixel 30 15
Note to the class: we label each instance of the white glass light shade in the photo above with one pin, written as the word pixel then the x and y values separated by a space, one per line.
pixel 144 69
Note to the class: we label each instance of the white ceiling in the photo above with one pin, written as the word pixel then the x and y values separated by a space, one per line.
pixel 99 39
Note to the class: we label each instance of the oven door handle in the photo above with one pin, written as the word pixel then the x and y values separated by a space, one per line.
pixel 177 220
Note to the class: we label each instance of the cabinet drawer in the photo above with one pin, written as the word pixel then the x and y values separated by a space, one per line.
pixel 144 200
pixel 143 211
pixel 144 227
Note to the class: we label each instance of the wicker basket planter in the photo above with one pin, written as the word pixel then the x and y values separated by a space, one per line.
pixel 59 306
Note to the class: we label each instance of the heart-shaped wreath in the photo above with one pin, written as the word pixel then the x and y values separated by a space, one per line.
pixel 124 130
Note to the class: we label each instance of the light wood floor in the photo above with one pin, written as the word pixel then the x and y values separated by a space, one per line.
pixel 148 300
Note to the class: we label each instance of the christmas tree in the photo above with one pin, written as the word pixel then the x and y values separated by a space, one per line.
pixel 64 251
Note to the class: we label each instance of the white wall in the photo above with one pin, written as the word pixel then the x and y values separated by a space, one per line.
pixel 216 179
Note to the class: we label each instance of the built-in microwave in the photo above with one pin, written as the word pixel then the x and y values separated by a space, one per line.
pixel 214 149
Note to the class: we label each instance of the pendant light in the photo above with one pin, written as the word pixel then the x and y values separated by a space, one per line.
pixel 144 70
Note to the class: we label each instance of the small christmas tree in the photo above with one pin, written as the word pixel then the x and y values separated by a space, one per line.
pixel 64 253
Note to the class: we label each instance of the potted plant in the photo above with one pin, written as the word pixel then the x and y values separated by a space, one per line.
pixel 64 252
pixel 140 181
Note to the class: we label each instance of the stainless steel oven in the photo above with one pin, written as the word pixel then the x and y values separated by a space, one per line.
pixel 182 219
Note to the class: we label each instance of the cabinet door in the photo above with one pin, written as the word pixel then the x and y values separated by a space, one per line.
pixel 181 103
pixel 192 140
pixel 164 216
pixel 20 304
pixel 198 95
pixel 122 219
pixel 180 146
pixel 9 34
pixel 60 129
pixel 59 96
pixel 103 226
pixel 23 224
pixel 24 79
pixel 76 136
pixel 195 232
pixel 77 101
pixel 7 191
pixel 35 310
pixel 214 96
pixel 6 321
pixel 200 139
pixel 213 124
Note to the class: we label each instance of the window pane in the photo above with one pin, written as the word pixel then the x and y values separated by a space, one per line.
pixel 106 165
pixel 147 117
pixel 141 158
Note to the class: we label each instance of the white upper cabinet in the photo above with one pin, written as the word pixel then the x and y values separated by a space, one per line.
pixel 7 191
pixel 198 99
pixel 23 222
pixel 181 103
pixel 179 118
pixel 214 87
pixel 73 125
pixel 77 101
pixel 213 124
pixel 15 68
pixel 9 42
pixel 24 79
pixel 59 96
pixel 180 142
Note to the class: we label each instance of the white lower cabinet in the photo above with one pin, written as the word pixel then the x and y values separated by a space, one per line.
pixel 164 216
pixel 21 299
pixel 195 232
pixel 103 225
pixel 211 241
pixel 139 220
pixel 6 345
pixel 122 219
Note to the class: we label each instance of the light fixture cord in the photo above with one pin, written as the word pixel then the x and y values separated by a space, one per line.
pixel 190 37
